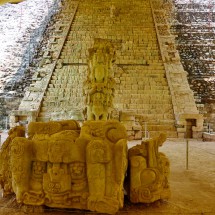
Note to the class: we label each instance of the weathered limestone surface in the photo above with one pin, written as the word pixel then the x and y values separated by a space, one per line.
pixel 99 85
pixel 182 96
pixel 5 171
pixel 41 79
pixel 195 37
pixel 61 166
pixel 149 170
pixel 21 36
pixel 196 44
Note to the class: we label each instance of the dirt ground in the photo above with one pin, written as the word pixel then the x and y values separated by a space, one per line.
pixel 193 189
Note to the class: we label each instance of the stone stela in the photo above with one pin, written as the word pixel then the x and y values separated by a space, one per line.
pixel 100 83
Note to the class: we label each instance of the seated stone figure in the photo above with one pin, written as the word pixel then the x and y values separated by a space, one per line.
pixel 149 170
pixel 61 166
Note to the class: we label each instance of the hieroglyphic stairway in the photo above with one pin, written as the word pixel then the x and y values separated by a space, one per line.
pixel 151 85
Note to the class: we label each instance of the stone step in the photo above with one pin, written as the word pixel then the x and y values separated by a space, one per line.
pixel 129 61
pixel 46 114
pixel 148 114
pixel 170 134
pixel 140 86
pixel 154 103
pixel 129 93
pixel 153 127
pixel 146 101
pixel 63 96
pixel 61 102
pixel 153 119
pixel 65 105
pixel 130 81
pixel 152 71
pixel 69 54
pixel 158 99
pixel 155 109
pixel 130 78
pixel 43 119
pixel 154 88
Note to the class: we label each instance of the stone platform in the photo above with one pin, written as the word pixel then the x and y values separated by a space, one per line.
pixel 209 136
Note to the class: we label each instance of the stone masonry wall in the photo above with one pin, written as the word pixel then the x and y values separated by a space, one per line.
pixel 182 96
pixel 195 27
pixel 18 55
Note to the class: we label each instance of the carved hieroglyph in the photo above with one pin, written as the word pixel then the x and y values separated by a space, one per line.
pixel 149 170
pixel 61 166
pixel 99 86
pixel 106 157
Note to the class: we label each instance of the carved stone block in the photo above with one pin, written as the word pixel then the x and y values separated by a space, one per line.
pixel 149 170
pixel 99 86
pixel 59 166
pixel 5 170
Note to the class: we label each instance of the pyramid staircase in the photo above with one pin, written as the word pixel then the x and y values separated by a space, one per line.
pixel 142 86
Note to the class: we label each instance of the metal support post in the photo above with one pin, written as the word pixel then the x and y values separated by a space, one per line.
pixel 187 154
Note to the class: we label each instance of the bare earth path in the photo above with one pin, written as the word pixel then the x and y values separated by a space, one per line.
pixel 193 190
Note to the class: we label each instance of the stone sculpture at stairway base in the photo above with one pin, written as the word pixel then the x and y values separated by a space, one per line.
pixel 149 171
pixel 5 171
pixel 61 165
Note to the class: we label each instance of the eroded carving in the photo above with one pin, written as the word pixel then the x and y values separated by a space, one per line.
pixel 106 156
pixel 59 166
pixel 99 86
pixel 5 171
pixel 170 53
pixel 163 30
pixel 160 17
pixel 149 170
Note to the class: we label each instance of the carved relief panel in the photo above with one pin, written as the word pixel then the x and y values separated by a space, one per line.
pixel 99 86
pixel 68 168
pixel 149 170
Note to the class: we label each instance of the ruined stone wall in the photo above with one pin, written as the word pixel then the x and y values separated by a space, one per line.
pixel 194 27
pixel 19 62
pixel 7 104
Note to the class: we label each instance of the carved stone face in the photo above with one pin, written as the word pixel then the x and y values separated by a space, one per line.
pixel 77 170
pixel 98 155
pixel 99 55
pixel 38 169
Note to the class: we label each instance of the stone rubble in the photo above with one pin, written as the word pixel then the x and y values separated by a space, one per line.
pixel 21 31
